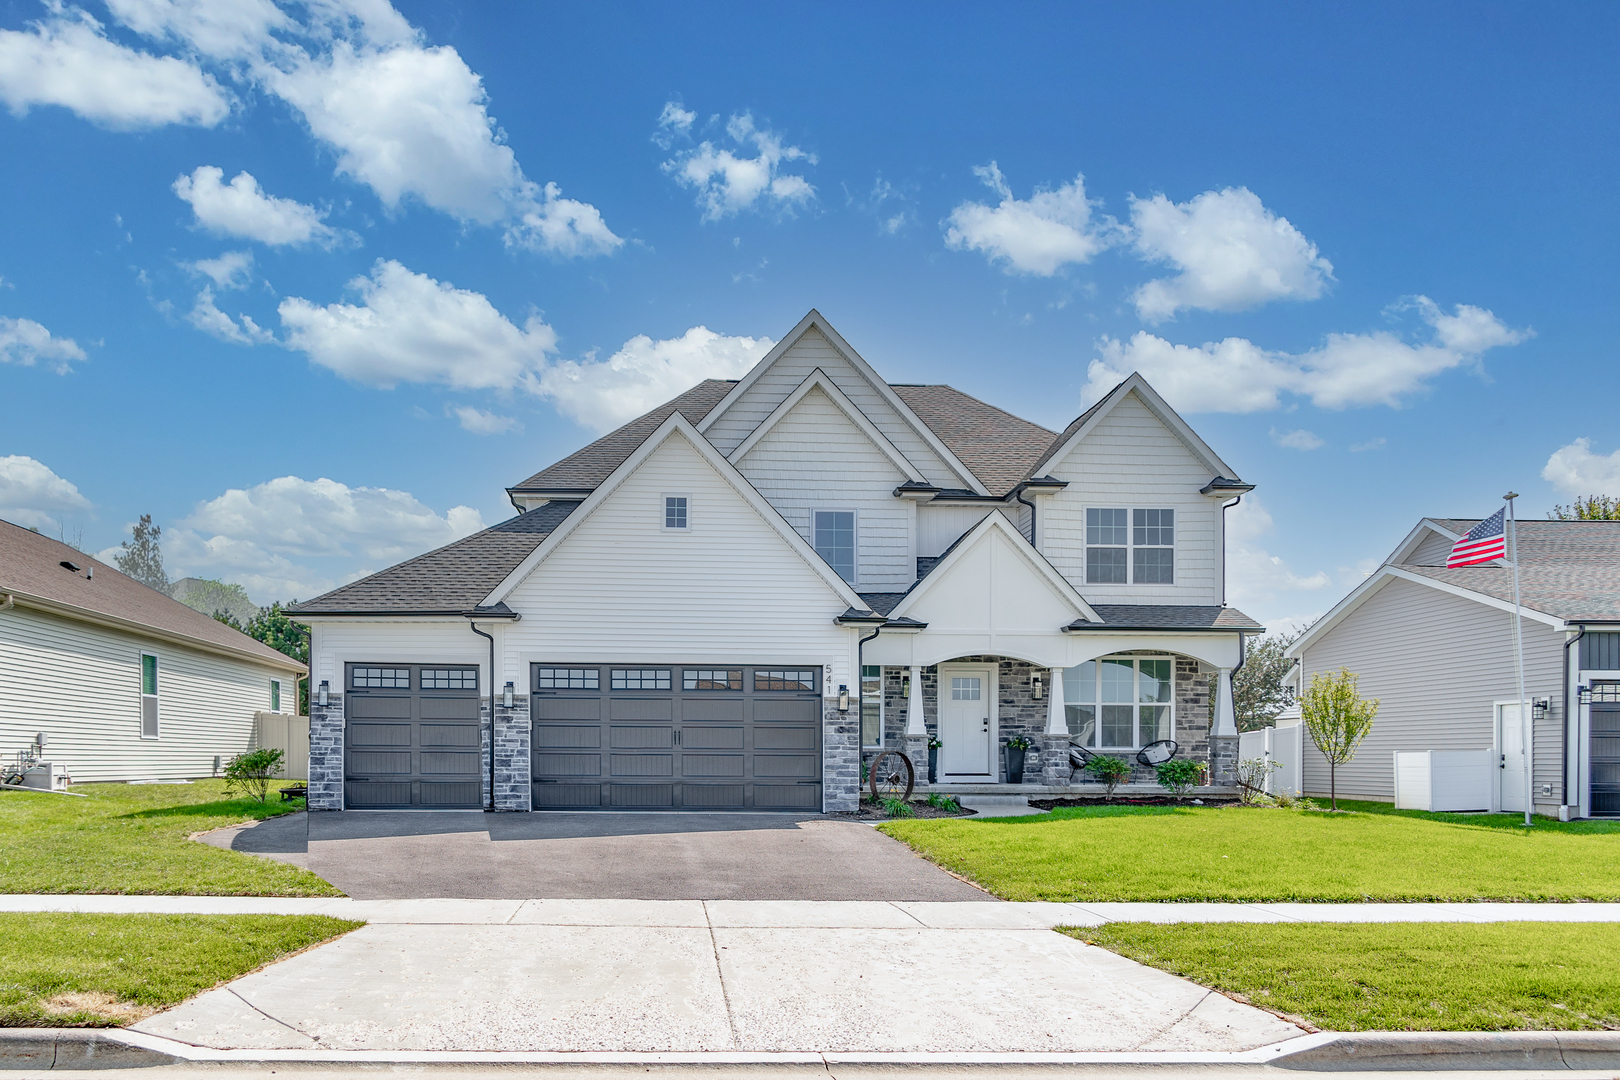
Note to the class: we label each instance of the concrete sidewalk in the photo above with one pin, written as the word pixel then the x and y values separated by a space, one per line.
pixel 787 914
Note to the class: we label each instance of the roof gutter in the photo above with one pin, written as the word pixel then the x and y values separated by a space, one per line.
pixel 10 602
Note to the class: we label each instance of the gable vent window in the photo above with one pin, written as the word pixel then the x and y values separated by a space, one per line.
pixel 149 696
pixel 675 512
pixel 835 541
pixel 1125 547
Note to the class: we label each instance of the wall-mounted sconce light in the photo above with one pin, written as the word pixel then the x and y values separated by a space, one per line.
pixel 1584 694
pixel 506 696
pixel 905 685
pixel 1540 707
pixel 843 698
pixel 1037 687
pixel 320 694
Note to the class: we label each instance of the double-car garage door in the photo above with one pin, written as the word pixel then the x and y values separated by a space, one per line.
pixel 673 737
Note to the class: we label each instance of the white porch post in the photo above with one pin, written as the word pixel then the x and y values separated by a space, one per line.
pixel 1225 715
pixel 915 724
pixel 1057 720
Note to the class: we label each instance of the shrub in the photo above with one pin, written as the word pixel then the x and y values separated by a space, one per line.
pixel 1252 774
pixel 1110 770
pixel 893 807
pixel 1180 775
pixel 946 803
pixel 249 774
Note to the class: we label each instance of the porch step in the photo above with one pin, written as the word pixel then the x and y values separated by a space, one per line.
pixel 998 805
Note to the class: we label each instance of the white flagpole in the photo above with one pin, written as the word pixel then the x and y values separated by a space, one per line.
pixel 1525 726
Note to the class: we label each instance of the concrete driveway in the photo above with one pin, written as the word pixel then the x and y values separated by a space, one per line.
pixel 376 855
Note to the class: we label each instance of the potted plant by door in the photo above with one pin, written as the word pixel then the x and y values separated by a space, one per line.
pixel 1017 747
pixel 933 759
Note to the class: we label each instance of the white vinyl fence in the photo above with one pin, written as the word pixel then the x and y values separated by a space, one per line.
pixel 1443 779
pixel 290 735
pixel 1282 744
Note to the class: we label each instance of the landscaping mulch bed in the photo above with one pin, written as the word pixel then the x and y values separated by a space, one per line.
pixel 871 811
pixel 1156 800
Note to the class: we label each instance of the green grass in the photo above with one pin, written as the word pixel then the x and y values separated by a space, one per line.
pixel 1395 976
pixel 1239 854
pixel 134 839
pixel 72 970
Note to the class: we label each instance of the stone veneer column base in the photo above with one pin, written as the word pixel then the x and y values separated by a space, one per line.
pixel 917 750
pixel 1223 756
pixel 326 754
pixel 840 758
pixel 1054 760
pixel 512 761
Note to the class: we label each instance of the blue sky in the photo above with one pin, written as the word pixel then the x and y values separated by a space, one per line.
pixel 311 284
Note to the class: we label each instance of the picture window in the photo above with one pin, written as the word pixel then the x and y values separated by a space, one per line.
pixel 1120 702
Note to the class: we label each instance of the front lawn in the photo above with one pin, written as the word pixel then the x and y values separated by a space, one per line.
pixel 134 839
pixel 72 970
pixel 1244 854
pixel 1395 976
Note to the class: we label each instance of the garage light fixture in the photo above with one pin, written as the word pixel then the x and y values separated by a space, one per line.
pixel 1540 707
pixel 506 696
pixel 843 698
pixel 320 695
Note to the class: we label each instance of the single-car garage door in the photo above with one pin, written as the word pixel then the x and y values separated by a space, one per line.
pixel 671 737
pixel 412 738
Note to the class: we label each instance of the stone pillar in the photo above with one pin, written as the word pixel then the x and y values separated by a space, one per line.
pixel 840 758
pixel 512 761
pixel 917 751
pixel 326 753
pixel 1055 760
pixel 1223 740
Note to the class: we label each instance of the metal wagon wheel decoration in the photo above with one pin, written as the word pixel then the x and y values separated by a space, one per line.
pixel 892 776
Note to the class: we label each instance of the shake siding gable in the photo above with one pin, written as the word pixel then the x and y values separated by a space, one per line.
pixel 1438 663
pixel 81 685
pixel 1131 459
pixel 815 457
pixel 620 587
pixel 804 356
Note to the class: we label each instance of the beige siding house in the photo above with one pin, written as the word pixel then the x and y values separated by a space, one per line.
pixel 124 682
pixel 1436 647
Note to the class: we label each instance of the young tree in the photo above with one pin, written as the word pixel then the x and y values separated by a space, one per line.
pixel 279 632
pixel 1258 690
pixel 142 559
pixel 1591 508
pixel 1338 718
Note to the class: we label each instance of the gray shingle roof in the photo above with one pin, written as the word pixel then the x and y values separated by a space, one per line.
pixel 447 581
pixel 1570 569
pixel 1167 617
pixel 30 564
pixel 997 446
pixel 882 602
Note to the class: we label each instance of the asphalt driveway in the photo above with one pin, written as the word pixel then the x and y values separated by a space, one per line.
pixel 377 855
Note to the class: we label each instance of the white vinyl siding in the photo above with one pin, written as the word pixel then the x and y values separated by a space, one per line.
pixel 814 458
pixel 1131 460
pixel 1437 663
pixel 814 351
pixel 1432 550
pixel 81 684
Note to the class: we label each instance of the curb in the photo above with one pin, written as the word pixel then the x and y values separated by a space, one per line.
pixel 45 1049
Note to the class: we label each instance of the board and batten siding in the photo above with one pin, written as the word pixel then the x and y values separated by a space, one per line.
pixel 812 351
pixel 814 458
pixel 938 527
pixel 1438 663
pixel 81 685
pixel 1130 459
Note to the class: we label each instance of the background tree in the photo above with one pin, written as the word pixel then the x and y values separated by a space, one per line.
pixel 279 632
pixel 142 558
pixel 216 598
pixel 1258 690
pixel 1338 718
pixel 1591 508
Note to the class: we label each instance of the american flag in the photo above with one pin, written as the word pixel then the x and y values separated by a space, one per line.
pixel 1483 543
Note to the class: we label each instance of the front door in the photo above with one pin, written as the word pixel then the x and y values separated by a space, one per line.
pixel 1510 758
pixel 966 706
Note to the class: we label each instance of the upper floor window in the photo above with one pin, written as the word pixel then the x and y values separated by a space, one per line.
pixel 1130 546
pixel 675 512
pixel 834 540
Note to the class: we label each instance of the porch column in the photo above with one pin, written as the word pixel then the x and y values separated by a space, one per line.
pixel 1225 716
pixel 1057 720
pixel 1223 741
pixel 916 727
pixel 1055 740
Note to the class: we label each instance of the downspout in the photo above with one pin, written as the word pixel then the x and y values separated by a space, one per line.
pixel 1224 508
pixel 1563 777
pixel 491 639
pixel 1018 494
pixel 860 673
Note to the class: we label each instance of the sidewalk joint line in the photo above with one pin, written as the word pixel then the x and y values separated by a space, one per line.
pixel 274 1019
pixel 895 904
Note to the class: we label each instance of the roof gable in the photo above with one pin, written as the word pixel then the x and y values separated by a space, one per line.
pixel 999 447
pixel 818 383
pixel 1136 385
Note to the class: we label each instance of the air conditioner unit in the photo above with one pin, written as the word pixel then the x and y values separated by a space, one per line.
pixel 47 777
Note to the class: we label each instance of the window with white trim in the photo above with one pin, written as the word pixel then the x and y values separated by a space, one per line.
pixel 1130 546
pixel 1120 702
pixel 871 706
pixel 149 696
pixel 275 695
pixel 677 513
pixel 833 534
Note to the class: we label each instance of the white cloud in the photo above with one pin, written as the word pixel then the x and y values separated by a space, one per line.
pixel 241 208
pixel 1577 472
pixel 67 60
pixel 410 328
pixel 1348 370
pixel 237 30
pixel 206 316
pixel 548 222
pixel 1258 582
pixel 646 373
pixel 232 270
pixel 673 121
pixel 1038 235
pixel 480 422
pixel 1297 440
pixel 25 342
pixel 1370 444
pixel 727 184
pixel 265 575
pixel 31 494
pixel 1232 252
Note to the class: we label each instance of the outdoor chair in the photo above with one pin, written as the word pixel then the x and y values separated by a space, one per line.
pixel 1157 753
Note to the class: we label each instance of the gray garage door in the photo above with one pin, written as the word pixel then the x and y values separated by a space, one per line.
pixel 412 737
pixel 672 737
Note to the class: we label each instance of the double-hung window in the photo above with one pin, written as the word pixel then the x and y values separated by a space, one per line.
pixel 149 696
pixel 834 540
pixel 1120 702
pixel 1125 547
pixel 871 706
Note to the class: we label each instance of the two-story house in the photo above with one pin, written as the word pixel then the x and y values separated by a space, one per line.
pixel 729 601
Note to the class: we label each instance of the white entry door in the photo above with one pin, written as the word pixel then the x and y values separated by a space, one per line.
pixel 1510 756
pixel 966 705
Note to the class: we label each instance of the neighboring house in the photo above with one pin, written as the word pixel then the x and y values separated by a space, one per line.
pixel 732 600
pixel 1436 647
pixel 124 682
